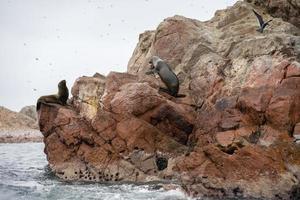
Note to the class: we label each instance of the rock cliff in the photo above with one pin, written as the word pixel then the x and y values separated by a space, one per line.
pixel 231 137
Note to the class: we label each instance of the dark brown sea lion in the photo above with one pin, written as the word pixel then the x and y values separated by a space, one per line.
pixel 60 98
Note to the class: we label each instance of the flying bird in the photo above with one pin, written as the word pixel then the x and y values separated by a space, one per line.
pixel 262 24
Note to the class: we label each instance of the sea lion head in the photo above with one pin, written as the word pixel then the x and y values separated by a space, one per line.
pixel 153 63
pixel 63 92
pixel 62 88
pixel 62 83
pixel 154 60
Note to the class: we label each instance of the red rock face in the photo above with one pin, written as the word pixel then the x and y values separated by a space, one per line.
pixel 234 135
pixel 104 148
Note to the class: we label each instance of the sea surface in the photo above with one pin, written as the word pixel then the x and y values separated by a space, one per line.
pixel 24 174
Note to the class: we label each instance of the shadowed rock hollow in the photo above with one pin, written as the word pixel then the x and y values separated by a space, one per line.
pixel 232 136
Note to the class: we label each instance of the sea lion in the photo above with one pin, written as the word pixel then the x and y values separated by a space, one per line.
pixel 168 77
pixel 262 24
pixel 60 98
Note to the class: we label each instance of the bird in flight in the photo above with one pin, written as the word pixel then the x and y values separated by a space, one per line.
pixel 262 24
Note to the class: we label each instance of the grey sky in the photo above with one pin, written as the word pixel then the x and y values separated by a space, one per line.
pixel 42 42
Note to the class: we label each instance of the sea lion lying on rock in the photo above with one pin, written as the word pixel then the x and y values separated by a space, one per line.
pixel 60 98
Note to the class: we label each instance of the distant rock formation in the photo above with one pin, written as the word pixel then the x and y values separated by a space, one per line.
pixel 231 137
pixel 14 120
pixel 29 111
pixel 18 127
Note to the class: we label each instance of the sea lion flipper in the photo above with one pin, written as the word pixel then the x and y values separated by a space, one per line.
pixel 49 99
pixel 164 90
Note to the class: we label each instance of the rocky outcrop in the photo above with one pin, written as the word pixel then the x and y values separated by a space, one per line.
pixel 231 137
pixel 29 111
pixel 134 134
pixel 13 120
pixel 18 127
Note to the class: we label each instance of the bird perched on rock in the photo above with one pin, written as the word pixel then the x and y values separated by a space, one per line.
pixel 262 24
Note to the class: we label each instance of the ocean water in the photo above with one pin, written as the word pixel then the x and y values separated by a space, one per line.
pixel 24 175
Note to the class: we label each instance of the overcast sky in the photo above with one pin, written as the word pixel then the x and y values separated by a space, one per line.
pixel 43 42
